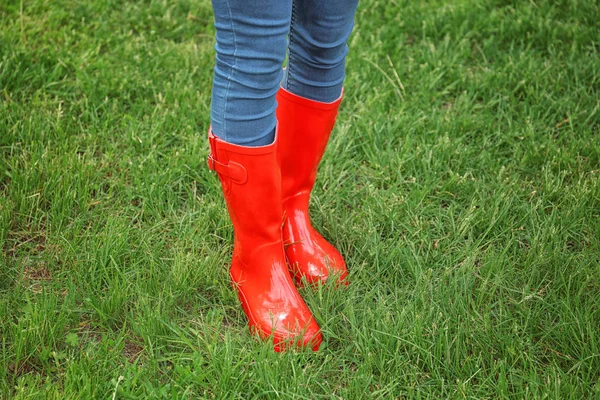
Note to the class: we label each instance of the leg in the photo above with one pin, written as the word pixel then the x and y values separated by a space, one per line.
pixel 307 109
pixel 251 42
pixel 251 46
pixel 319 32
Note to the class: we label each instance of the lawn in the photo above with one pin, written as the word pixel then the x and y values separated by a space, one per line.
pixel 462 184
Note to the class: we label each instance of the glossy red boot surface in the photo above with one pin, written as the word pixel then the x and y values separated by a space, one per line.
pixel 251 182
pixel 304 129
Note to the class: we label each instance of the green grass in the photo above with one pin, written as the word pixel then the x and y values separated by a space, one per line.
pixel 462 184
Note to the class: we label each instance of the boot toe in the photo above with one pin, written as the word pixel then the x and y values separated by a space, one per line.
pixel 316 262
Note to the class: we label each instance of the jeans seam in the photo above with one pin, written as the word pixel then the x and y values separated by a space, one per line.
pixel 232 71
pixel 289 79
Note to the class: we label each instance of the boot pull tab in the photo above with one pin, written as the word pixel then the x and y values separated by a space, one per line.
pixel 236 172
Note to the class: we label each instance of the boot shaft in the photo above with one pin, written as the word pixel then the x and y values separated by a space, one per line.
pixel 305 126
pixel 251 182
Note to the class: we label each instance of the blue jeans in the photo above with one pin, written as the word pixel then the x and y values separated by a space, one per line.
pixel 252 42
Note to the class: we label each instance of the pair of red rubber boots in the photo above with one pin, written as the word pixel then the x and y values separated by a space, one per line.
pixel 267 191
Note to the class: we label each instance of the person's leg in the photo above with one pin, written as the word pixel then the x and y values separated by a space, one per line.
pixel 251 47
pixel 318 37
pixel 306 112
pixel 251 43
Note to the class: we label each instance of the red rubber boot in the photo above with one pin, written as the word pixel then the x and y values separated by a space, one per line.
pixel 305 126
pixel 251 182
